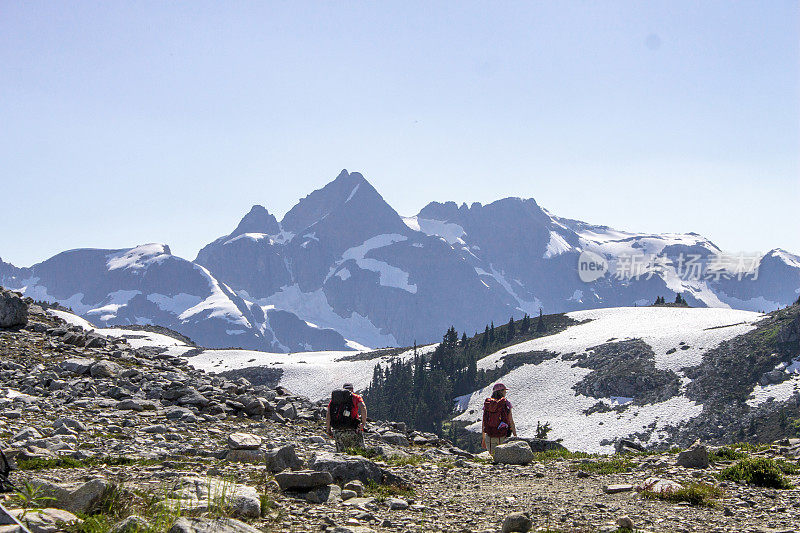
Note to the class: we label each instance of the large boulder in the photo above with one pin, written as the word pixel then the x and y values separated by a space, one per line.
pixel 13 309
pixel 48 520
pixel 283 458
pixel 76 365
pixel 517 522
pixel 78 499
pixel 346 468
pixel 244 441
pixel 695 457
pixel 196 494
pixel 517 452
pixel 303 481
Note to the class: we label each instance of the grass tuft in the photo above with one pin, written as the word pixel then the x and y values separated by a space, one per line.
pixel 761 472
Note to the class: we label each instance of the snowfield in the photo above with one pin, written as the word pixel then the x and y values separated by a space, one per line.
pixel 544 392
pixel 663 328
pixel 136 338
pixel 312 374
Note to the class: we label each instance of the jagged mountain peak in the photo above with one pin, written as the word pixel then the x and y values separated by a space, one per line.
pixel 349 191
pixel 257 220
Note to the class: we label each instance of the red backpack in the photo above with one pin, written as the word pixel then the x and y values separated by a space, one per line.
pixel 495 414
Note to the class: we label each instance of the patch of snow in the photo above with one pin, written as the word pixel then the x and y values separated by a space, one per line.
pixel 314 307
pixel 576 296
pixel 138 257
pixel 234 331
pixel 556 246
pixel 449 231
pixel 343 274
pixel 255 237
pixel 389 276
pixel 528 306
pixel 218 304
pixel 353 192
pixel 174 304
pixel 751 304
pixel 779 392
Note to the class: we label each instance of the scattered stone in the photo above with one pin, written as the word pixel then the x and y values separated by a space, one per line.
pixel 280 459
pixel 244 441
pixel 397 504
pixel 303 480
pixel 131 524
pixel 625 522
pixel 613 489
pixel 695 457
pixel 48 520
pixel 13 309
pixel 517 522
pixel 517 452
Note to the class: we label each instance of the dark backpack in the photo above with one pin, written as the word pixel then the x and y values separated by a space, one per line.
pixel 495 415
pixel 344 412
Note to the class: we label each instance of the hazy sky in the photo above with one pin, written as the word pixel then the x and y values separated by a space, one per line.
pixel 125 123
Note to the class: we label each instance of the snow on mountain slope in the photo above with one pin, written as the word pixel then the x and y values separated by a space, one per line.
pixel 312 374
pixel 545 391
pixel 136 338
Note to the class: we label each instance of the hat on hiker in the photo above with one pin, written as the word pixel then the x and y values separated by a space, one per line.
pixel 499 386
pixel 348 386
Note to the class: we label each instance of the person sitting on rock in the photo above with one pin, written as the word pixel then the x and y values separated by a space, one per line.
pixel 497 419
pixel 346 418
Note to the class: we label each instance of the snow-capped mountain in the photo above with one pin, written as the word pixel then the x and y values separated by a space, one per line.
pixel 343 264
pixel 148 285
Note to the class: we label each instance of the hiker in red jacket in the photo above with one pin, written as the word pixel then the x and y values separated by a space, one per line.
pixel 497 419
pixel 346 418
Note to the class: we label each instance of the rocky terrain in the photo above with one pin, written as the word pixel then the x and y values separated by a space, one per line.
pixel 105 437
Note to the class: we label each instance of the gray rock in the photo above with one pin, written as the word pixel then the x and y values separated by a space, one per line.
pixel 245 456
pixel 196 494
pixel 45 520
pixel 76 365
pixel 356 486
pixel 283 458
pixel 345 468
pixel 517 522
pixel 397 504
pixel 104 369
pixel 513 453
pixel 394 438
pixel 329 494
pixel 26 434
pixel 211 525
pixel 132 524
pixel 244 441
pixel 135 404
pixel 614 489
pixel 13 310
pixel 87 496
pixel 71 423
pixel 625 522
pixel 695 457
pixel 288 411
pixel 303 480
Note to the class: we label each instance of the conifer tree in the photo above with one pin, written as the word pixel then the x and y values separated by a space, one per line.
pixel 512 330
pixel 540 327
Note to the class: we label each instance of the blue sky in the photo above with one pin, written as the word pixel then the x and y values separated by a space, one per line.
pixel 125 123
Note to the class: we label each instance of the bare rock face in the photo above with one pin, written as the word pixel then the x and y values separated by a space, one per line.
pixel 13 309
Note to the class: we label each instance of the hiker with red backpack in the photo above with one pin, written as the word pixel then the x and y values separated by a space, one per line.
pixel 497 419
pixel 346 418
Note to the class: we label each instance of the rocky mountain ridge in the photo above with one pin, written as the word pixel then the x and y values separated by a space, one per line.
pixel 343 270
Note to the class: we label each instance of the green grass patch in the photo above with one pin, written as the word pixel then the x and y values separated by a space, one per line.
pixel 726 453
pixel 606 466
pixel 369 453
pixel 554 455
pixel 381 492
pixel 697 494
pixel 761 472
pixel 399 460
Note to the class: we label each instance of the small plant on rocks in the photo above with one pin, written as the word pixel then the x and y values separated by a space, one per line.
pixel 761 472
